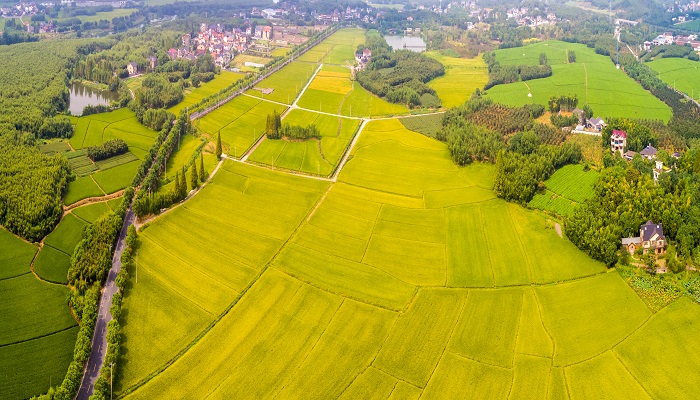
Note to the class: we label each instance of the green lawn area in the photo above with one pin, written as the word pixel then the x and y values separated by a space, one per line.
pixel 592 78
pixel 681 73
pixel 106 15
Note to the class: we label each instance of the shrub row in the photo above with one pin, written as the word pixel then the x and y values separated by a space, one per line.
pixel 107 149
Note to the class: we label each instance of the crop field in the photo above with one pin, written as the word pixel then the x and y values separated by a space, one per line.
pixel 428 125
pixel 681 73
pixel 117 178
pixel 105 15
pixel 691 25
pixel 245 209
pixel 568 186
pixel 82 188
pixel 54 147
pixel 241 122
pixel 15 255
pixel 37 331
pixel 361 103
pixel 67 234
pixel 592 78
pixel 221 81
pixel 406 278
pixel 287 82
pixel 337 49
pixel 112 174
pixel 462 77
pixel 328 90
pixel 311 156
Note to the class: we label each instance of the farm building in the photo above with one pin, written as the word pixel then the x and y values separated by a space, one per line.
pixel 133 68
pixel 651 238
pixel 618 141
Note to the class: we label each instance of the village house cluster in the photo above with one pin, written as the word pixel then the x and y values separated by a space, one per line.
pixel 668 38
pixel 223 45
pixel 19 10
pixel 525 17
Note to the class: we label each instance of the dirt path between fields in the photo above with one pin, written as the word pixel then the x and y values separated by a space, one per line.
pixel 557 228
pixel 91 200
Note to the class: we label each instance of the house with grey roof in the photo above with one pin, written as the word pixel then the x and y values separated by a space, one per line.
pixel 651 238
pixel 649 152
pixel 596 124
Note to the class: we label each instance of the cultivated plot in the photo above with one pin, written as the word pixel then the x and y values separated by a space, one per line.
pixel 312 156
pixel 592 78
pixel 679 73
pixel 462 77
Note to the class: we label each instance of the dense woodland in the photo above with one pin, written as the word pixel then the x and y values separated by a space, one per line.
pixel 400 76
pixel 32 185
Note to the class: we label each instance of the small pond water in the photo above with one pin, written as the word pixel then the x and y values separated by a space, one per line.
pixel 413 43
pixel 81 96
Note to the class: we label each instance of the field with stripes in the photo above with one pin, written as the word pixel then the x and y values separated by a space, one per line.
pixel 404 279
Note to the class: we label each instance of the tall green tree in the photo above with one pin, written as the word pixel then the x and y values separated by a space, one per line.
pixel 177 189
pixel 218 146
pixel 202 174
pixel 194 177
pixel 183 184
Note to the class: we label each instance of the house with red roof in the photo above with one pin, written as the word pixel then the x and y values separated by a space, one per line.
pixel 618 141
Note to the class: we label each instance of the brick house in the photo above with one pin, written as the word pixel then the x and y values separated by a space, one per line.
pixel 651 238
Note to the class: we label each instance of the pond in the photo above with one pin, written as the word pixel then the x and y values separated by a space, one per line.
pixel 413 43
pixel 81 96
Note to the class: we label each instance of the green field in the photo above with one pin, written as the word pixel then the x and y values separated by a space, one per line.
pixel 567 187
pixel 462 77
pixel 318 157
pixel 690 25
pixel 37 330
pixel 106 15
pixel 681 73
pixel 221 81
pixel 593 79
pixel 241 122
pixel 429 125
pixel 287 82
pixel 115 173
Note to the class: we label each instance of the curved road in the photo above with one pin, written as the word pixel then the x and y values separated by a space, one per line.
pixel 99 338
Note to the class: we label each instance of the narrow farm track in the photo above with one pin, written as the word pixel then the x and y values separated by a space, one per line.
pixel 91 200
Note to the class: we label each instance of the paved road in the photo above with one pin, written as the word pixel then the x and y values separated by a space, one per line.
pixel 99 339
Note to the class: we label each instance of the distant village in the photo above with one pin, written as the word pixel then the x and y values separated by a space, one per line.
pixel 668 38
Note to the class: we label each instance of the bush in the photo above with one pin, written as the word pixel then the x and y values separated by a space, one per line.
pixel 107 149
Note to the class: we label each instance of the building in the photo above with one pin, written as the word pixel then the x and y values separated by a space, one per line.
pixel 659 169
pixel 267 32
pixel 651 238
pixel 153 62
pixel 649 152
pixel 618 141
pixel 186 40
pixel 596 124
pixel 133 68
pixel 629 155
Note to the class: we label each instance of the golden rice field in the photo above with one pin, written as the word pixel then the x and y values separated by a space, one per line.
pixel 406 278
